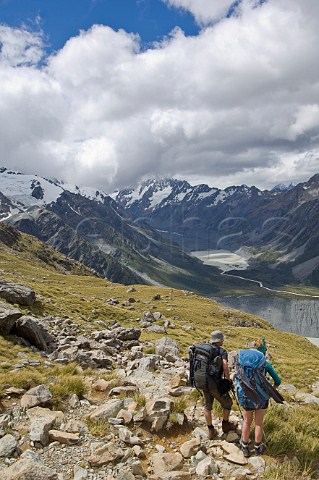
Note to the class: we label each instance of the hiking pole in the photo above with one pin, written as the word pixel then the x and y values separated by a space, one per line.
pixel 235 398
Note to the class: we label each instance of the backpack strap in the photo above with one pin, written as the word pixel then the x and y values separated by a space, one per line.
pixel 271 390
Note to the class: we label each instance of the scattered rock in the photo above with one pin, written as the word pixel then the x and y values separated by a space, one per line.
pixel 8 445
pixel 39 395
pixel 8 317
pixel 17 293
pixel 27 469
pixel 191 447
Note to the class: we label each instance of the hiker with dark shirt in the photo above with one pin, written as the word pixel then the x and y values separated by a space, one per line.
pixel 258 413
pixel 211 392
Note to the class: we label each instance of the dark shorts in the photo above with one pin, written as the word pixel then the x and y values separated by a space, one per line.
pixel 212 394
pixel 254 409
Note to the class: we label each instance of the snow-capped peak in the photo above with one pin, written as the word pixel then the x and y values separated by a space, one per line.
pixel 29 190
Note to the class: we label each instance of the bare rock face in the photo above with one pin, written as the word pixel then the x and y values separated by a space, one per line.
pixel 8 317
pixel 26 470
pixel 17 293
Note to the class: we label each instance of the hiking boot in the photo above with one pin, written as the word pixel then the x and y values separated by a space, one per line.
pixel 259 448
pixel 212 432
pixel 228 426
pixel 244 448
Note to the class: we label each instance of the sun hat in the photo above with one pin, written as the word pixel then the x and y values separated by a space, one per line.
pixel 217 336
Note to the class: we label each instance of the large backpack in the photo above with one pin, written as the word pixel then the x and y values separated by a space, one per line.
pixel 252 387
pixel 205 364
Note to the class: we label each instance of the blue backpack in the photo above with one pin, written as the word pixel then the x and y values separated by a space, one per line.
pixel 252 387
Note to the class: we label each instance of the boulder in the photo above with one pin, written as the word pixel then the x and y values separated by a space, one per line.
pixel 206 467
pixel 17 293
pixel 125 334
pixel 157 412
pixel 80 473
pixel 41 422
pixel 167 347
pixel 126 415
pixel 39 395
pixel 76 426
pixel 8 445
pixel 127 437
pixel 191 447
pixel 178 380
pixel 35 333
pixel 174 475
pixel 100 359
pixel 107 410
pixel 66 438
pixel 8 317
pixel 156 329
pixel 26 469
pixel 166 462
pixel 147 363
pixel 104 453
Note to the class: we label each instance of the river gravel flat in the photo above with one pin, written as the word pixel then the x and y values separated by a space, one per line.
pixel 222 259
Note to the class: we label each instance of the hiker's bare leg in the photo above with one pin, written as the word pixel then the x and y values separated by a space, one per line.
pixel 259 425
pixel 248 417
pixel 226 414
pixel 208 416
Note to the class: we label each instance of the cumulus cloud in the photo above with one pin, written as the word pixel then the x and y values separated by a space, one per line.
pixel 19 47
pixel 204 11
pixel 238 103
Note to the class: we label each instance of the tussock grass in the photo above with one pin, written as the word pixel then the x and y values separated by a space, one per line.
pixel 287 471
pixel 180 404
pixel 149 350
pixel 67 385
pixel 140 399
pixel 99 428
pixel 26 378
pixel 293 431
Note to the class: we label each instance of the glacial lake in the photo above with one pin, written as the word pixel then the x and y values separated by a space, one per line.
pixel 298 315
pixel 294 315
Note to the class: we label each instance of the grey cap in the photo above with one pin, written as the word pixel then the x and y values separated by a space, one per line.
pixel 217 336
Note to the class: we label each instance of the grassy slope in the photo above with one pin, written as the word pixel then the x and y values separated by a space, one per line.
pixel 77 296
pixel 83 296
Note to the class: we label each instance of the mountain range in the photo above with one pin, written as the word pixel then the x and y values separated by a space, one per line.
pixel 146 234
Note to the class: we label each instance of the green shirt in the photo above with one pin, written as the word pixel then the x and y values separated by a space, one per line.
pixel 274 375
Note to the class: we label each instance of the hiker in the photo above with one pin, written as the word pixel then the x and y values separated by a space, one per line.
pixel 261 346
pixel 207 377
pixel 253 393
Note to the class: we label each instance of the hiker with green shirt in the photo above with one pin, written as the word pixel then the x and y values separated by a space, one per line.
pixel 253 393
pixel 261 346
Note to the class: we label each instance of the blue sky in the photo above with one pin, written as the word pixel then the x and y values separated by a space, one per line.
pixel 223 99
pixel 62 19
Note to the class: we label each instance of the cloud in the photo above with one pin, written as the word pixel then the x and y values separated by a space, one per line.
pixel 238 103
pixel 19 47
pixel 204 11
